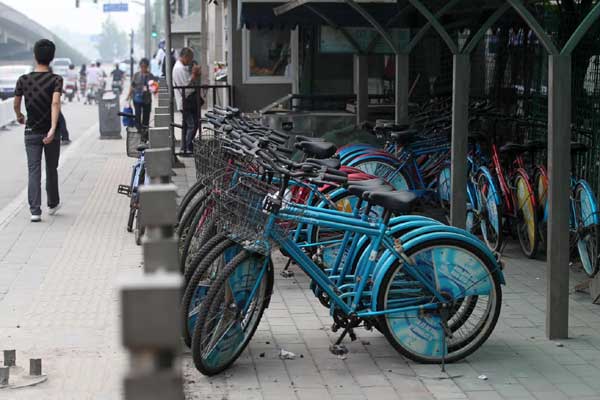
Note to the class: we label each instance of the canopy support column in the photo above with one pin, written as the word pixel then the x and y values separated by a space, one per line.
pixel 559 163
pixel 361 87
pixel 402 88
pixel 460 130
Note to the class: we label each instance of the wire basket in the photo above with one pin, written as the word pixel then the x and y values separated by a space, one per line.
pixel 134 139
pixel 241 212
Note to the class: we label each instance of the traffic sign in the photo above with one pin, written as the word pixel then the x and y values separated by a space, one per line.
pixel 116 7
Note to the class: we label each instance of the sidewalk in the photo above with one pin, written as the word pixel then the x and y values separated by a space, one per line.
pixel 59 301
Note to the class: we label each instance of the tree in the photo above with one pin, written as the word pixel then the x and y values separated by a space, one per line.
pixel 113 42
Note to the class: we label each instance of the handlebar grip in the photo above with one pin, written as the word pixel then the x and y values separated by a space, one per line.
pixel 332 171
pixel 334 178
pixel 276 140
pixel 282 135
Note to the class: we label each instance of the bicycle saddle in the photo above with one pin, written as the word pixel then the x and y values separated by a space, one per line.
pixel 300 138
pixel 514 148
pixel 317 149
pixel 578 147
pixel 404 136
pixel 326 162
pixel 361 189
pixel 142 147
pixel 400 202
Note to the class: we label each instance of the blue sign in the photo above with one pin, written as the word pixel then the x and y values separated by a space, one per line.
pixel 116 7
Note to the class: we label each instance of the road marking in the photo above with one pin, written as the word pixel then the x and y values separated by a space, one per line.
pixel 12 209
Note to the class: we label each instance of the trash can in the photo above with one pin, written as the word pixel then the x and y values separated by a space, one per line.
pixel 110 122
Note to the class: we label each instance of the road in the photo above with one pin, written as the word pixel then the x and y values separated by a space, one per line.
pixel 13 163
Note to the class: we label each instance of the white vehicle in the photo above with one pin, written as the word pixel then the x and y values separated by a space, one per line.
pixel 8 78
pixel 60 66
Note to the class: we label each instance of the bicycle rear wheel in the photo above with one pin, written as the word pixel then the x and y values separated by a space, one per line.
pixel 231 312
pixel 466 278
pixel 588 230
pixel 386 170
pixel 490 214
pixel 527 229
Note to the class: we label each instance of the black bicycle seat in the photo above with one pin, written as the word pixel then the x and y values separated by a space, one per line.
pixel 142 147
pixel 362 190
pixel 300 138
pixel 400 202
pixel 404 136
pixel 326 162
pixel 317 149
pixel 514 148
pixel 578 147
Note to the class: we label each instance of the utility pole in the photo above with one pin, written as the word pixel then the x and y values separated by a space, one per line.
pixel 147 29
pixel 131 56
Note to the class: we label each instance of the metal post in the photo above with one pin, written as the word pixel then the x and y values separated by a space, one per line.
pixel 559 162
pixel 361 87
pixel 131 56
pixel 402 88
pixel 169 78
pixel 460 130
pixel 147 29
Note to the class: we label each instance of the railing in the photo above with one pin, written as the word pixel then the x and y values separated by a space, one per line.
pixel 214 90
pixel 7 115
pixel 321 102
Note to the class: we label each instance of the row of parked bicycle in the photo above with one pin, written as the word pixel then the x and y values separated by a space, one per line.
pixel 433 290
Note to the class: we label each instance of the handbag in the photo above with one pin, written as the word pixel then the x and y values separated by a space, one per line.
pixel 128 121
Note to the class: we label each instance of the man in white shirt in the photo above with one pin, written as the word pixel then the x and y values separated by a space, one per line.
pixel 187 99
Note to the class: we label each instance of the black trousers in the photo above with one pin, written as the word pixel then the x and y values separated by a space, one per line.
pixel 34 148
pixel 142 114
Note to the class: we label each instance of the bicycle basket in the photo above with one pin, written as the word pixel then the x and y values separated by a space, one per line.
pixel 134 139
pixel 241 212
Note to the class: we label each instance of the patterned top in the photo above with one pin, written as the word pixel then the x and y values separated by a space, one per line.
pixel 38 89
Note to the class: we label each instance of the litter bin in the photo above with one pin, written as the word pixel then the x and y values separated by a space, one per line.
pixel 110 122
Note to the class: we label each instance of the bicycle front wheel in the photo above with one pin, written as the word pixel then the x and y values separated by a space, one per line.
pixel 588 230
pixel 527 229
pixel 490 213
pixel 231 312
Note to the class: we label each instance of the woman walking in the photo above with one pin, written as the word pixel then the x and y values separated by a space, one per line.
pixel 139 92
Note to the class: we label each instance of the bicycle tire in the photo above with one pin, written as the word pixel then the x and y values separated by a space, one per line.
pixel 470 343
pixel 187 198
pixel 489 218
pixel 202 253
pixel 196 230
pixel 540 180
pixel 131 218
pixel 214 300
pixel 191 285
pixel 187 219
pixel 526 221
pixel 588 245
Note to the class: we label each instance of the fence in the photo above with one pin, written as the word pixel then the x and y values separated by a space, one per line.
pixel 7 115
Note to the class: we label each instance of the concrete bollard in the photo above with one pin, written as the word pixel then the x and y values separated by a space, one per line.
pixel 163 102
pixel 162 120
pixel 159 138
pixel 35 366
pixel 10 358
pixel 158 165
pixel 161 110
pixel 4 376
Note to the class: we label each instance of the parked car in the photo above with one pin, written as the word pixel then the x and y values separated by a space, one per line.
pixel 8 78
pixel 60 66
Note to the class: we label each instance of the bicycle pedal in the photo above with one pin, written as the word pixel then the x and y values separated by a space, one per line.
pixel 124 189
pixel 338 349
pixel 286 273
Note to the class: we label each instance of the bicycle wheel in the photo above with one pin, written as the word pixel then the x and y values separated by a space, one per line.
pixel 231 312
pixel 184 225
pixel 527 229
pixel 462 274
pixel 588 230
pixel 200 255
pixel 196 288
pixel 490 214
pixel 188 197
pixel 202 226
pixel 131 218
pixel 383 169
pixel 444 188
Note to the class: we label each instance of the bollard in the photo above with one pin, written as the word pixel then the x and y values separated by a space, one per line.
pixel 10 358
pixel 35 366
pixel 163 102
pixel 162 120
pixel 158 206
pixel 161 110
pixel 4 375
pixel 159 137
pixel 158 165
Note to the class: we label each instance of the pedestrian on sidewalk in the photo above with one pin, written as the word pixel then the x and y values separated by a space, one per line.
pixel 42 90
pixel 185 73
pixel 139 92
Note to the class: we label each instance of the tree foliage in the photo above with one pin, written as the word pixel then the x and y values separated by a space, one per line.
pixel 112 43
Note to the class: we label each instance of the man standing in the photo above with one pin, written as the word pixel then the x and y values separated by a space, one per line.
pixel 42 90
pixel 184 74
pixel 160 55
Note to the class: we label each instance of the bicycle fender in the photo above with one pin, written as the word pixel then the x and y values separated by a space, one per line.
pixel 389 159
pixel 408 218
pixel 485 171
pixel 586 186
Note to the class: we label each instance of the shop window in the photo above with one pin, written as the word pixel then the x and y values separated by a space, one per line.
pixel 269 56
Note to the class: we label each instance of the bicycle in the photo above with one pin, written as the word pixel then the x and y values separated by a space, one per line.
pixel 399 292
